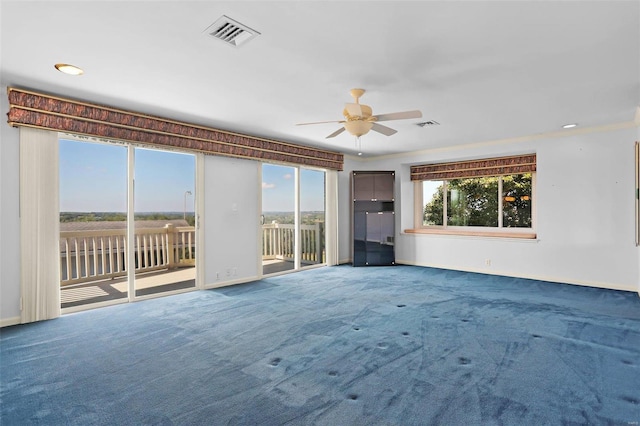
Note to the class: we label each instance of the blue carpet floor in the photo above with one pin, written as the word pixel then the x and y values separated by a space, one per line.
pixel 336 346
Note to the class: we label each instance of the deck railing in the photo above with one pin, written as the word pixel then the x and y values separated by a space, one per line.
pixel 278 242
pixel 101 254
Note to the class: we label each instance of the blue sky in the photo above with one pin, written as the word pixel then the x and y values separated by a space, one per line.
pixel 93 178
pixel 162 179
pixel 278 186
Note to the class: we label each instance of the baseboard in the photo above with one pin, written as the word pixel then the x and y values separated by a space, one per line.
pixel 232 282
pixel 560 280
pixel 9 321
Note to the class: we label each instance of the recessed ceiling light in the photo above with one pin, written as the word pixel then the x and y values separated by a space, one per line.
pixel 569 126
pixel 69 69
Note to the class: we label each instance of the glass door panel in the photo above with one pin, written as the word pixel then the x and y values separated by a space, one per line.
pixel 93 223
pixel 165 242
pixel 360 238
pixel 312 217
pixel 278 218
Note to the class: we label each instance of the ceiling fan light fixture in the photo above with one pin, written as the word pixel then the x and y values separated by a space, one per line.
pixel 357 110
pixel 358 127
pixel 359 119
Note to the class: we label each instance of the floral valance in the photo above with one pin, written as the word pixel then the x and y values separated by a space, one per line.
pixel 43 111
pixel 475 168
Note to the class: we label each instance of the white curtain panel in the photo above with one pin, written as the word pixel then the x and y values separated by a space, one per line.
pixel 39 225
pixel 331 226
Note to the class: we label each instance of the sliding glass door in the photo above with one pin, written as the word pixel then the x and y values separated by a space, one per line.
pixel 278 218
pixel 293 218
pixel 312 217
pixel 127 222
pixel 93 223
pixel 164 246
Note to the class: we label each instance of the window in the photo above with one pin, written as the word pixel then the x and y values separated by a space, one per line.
pixel 489 202
pixel 490 195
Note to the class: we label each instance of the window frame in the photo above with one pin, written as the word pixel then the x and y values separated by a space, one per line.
pixel 499 231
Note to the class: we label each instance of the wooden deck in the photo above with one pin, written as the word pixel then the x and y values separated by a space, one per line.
pixel 93 259
pixel 113 289
pixel 274 266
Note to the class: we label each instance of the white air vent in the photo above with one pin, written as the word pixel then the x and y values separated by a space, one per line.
pixel 428 123
pixel 231 32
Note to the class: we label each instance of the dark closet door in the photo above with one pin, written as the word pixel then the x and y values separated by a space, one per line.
pixel 359 238
pixel 380 236
pixel 373 186
pixel 363 187
pixel 383 187
pixel 387 238
pixel 373 218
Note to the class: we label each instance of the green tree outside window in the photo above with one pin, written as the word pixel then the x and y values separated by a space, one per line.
pixel 474 202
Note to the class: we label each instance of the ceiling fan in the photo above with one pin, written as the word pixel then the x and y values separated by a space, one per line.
pixel 358 118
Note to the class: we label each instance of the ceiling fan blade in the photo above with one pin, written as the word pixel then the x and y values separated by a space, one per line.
pixel 336 133
pixel 387 131
pixel 320 122
pixel 398 115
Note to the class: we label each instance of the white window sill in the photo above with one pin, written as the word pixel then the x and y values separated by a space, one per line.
pixel 524 235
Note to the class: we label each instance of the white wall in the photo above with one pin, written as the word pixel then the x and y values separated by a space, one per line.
pixel 232 214
pixel 9 219
pixel 584 209
pixel 344 209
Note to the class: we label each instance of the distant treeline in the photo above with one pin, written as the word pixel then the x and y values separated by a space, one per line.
pixel 306 218
pixel 120 217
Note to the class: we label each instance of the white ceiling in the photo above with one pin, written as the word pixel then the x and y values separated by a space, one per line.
pixel 485 70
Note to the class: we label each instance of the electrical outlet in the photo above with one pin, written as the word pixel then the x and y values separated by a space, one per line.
pixel 235 271
pixel 487 262
pixel 217 275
